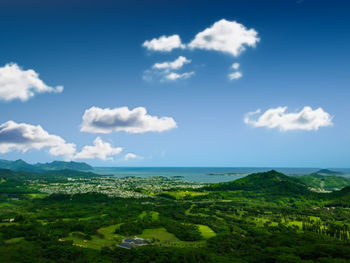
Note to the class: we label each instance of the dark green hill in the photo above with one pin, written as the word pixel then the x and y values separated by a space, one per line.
pixel 320 182
pixel 268 183
pixel 59 165
pixel 328 172
pixel 20 165
pixel 340 198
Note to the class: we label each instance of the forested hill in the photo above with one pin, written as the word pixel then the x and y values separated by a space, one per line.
pixel 340 198
pixel 271 182
pixel 320 182
pixel 59 165
pixel 20 165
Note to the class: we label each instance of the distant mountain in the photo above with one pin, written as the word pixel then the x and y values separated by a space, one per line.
pixel 321 182
pixel 328 172
pixel 270 183
pixel 59 165
pixel 20 165
pixel 46 175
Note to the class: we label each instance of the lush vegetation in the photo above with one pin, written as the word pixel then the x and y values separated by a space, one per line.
pixel 321 182
pixel 263 217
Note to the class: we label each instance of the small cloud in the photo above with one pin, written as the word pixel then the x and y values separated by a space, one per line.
pixel 235 66
pixel 137 120
pixel 235 75
pixel 100 150
pixel 130 156
pixel 16 83
pixel 172 65
pixel 225 36
pixel 164 43
pixel 165 70
pixel 276 118
pixel 173 76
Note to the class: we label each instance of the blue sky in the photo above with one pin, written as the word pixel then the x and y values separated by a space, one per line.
pixel 94 49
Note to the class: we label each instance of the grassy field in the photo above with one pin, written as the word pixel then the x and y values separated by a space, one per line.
pixel 161 237
pixel 183 194
pixel 155 215
pixel 158 236
pixel 262 220
pixel 37 195
pixel 106 239
pixel 14 240
pixel 206 231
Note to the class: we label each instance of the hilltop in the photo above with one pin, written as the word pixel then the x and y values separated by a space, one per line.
pixel 267 183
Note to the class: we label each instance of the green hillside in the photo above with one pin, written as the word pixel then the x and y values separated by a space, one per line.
pixel 268 183
pixel 320 182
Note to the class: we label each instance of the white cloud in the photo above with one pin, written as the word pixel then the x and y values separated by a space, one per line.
pixel 163 43
pixel 173 76
pixel 130 156
pixel 23 137
pixel 172 65
pixel 235 66
pixel 165 71
pixel 276 118
pixel 97 120
pixel 100 150
pixel 235 75
pixel 16 83
pixel 225 36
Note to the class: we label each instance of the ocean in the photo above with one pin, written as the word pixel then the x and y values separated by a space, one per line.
pixel 201 174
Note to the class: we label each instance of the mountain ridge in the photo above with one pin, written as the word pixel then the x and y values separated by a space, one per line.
pixel 20 165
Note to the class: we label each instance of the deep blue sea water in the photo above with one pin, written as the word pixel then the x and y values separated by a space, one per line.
pixel 200 174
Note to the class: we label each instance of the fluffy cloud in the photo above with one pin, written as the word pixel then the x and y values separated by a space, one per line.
pixel 173 76
pixel 16 83
pixel 235 75
pixel 23 137
pixel 130 156
pixel 172 65
pixel 307 119
pixel 163 43
pixel 225 36
pixel 100 150
pixel 97 120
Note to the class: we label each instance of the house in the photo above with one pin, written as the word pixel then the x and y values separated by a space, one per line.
pixel 133 242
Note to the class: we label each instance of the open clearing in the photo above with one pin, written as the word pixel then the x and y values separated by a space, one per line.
pixel 107 238
pixel 206 231
pixel 183 194
pixel 162 237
